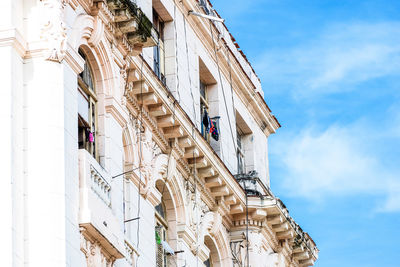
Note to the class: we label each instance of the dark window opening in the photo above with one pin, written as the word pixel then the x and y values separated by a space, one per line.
pixel 159 52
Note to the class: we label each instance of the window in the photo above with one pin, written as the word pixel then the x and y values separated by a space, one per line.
pixel 161 235
pixel 203 4
pixel 208 92
pixel 239 152
pixel 159 52
pixel 87 109
pixel 245 152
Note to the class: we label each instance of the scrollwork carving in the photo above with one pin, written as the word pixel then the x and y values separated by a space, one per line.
pixel 54 31
pixel 95 257
pixel 152 163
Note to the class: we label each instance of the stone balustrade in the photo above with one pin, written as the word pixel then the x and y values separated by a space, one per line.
pixel 99 185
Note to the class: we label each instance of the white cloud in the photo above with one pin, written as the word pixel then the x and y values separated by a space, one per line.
pixel 342 56
pixel 392 203
pixel 337 161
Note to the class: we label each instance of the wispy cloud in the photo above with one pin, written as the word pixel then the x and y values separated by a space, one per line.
pixel 340 57
pixel 340 160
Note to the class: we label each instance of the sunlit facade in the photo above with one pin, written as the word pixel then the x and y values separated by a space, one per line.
pixel 139 137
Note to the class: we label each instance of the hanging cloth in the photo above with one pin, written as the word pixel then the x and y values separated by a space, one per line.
pixel 206 119
pixel 164 244
pixel 214 130
pixel 158 239
pixel 89 135
pixel 167 248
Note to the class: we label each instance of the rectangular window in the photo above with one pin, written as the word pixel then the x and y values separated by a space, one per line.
pixel 159 52
pixel 239 152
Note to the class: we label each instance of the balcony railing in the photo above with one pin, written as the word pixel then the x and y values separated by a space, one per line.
pixel 277 215
pixel 100 186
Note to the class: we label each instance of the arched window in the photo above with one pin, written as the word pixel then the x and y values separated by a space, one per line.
pixel 213 257
pixel 87 109
pixel 161 235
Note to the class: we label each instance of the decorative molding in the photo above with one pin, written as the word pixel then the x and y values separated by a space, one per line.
pixel 100 9
pixel 115 109
pixel 12 37
pixel 53 30
pixel 74 60
pixel 97 33
pixel 95 254
pixel 86 4
pixel 74 4
pixel 130 253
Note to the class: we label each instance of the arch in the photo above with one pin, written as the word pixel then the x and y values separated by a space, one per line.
pixel 167 200
pixel 99 56
pixel 88 33
pixel 127 141
pixel 211 228
pixel 174 186
pixel 214 254
pixel 102 70
pixel 221 238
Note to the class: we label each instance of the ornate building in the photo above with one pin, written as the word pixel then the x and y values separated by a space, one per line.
pixel 136 135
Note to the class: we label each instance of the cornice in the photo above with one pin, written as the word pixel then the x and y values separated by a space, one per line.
pixel 264 118
pixel 12 37
pixel 186 234
pixel 115 109
pixel 135 108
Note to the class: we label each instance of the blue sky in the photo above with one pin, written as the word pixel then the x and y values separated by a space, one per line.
pixel 331 74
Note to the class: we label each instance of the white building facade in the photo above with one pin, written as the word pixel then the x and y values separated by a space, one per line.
pixel 136 134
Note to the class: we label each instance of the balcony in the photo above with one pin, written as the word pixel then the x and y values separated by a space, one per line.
pixel 133 24
pixel 262 204
pixel 96 218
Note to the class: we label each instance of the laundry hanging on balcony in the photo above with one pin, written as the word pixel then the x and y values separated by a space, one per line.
pixel 206 120
pixel 214 130
pixel 164 244
pixel 89 135
pixel 210 125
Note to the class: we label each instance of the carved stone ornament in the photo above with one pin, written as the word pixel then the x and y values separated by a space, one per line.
pixel 210 224
pixel 95 257
pixel 151 161
pixel 238 252
pixel 123 75
pixel 53 29
pixel 196 207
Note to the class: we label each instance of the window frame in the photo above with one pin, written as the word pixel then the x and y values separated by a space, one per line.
pixel 89 93
pixel 241 167
pixel 159 49
pixel 162 228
